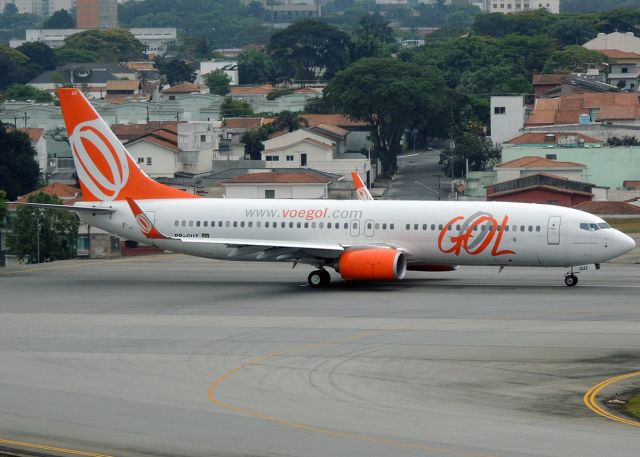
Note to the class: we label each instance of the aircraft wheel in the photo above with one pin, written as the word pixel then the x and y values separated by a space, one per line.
pixel 571 280
pixel 319 278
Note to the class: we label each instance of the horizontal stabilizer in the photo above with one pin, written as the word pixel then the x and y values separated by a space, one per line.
pixel 75 209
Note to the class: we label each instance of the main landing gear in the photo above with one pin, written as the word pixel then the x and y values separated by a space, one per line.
pixel 319 278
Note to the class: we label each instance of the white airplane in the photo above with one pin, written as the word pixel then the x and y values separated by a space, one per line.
pixel 361 240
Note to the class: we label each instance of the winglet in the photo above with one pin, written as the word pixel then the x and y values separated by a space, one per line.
pixel 146 226
pixel 361 190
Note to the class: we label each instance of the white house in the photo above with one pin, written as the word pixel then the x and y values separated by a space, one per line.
pixel 507 117
pixel 302 148
pixel 278 185
pixel 156 153
pixel 515 6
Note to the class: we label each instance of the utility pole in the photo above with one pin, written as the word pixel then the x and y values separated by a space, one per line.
pixel 38 234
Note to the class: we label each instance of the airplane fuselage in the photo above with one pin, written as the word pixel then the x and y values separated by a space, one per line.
pixel 430 233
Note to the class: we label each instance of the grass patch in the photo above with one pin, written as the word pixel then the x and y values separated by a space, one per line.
pixel 626 225
pixel 633 406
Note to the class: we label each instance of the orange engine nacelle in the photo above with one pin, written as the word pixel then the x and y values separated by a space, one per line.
pixel 372 264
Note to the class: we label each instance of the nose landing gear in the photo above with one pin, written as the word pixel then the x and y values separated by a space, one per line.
pixel 319 278
pixel 571 280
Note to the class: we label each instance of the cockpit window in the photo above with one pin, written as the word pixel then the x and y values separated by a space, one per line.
pixel 591 227
pixel 603 225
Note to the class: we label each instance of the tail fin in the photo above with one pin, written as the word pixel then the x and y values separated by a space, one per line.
pixel 146 226
pixel 105 169
pixel 361 190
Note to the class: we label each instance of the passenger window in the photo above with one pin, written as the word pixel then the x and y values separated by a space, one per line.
pixel 242 224
pixel 391 226
pixel 205 223
pixel 433 226
pixel 328 224
pixel 506 228
pixel 235 223
pixel 219 223
pixel 440 227
pixel 283 224
pixel 346 226
pixel 514 228
pixel 482 228
pixel 537 228
pixel 458 227
pixel 424 227
pixel 197 223
pixel 266 224
pixel 299 224
pixel 313 225
pixel 228 224
pixel 415 226
pixel 531 228
pixel 290 224
pixel 449 227
pixel 522 228
pixel 306 225
pixel 176 223
pixel 320 224
pixel 369 225
pixel 184 223
pixel 258 224
pixel 337 226
pixel 384 226
pixel 377 226
pixel 408 226
pixel 250 224
pixel 190 223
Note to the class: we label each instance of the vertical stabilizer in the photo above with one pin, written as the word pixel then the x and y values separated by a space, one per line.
pixel 105 169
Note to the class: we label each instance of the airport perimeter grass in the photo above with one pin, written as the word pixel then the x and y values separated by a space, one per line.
pixel 633 407
pixel 626 225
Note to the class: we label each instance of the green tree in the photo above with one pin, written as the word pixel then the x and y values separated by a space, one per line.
pixel 25 92
pixel 287 120
pixel 309 49
pixel 389 95
pixel 235 108
pixel 108 45
pixel 252 140
pixel 218 82
pixel 51 234
pixel 176 71
pixel 10 9
pixel 39 53
pixel 3 208
pixel 60 20
pixel 66 55
pixel 255 66
pixel 573 58
pixel 19 171
pixel 473 146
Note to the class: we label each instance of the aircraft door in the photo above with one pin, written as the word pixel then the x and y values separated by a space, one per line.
pixel 553 230
pixel 369 227
pixel 355 227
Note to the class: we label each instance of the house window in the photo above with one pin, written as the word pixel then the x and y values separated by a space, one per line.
pixel 290 158
pixel 269 193
pixel 149 162
pixel 499 110
pixel 203 138
pixel 172 97
pixel 625 70
pixel 140 159
pixel 272 158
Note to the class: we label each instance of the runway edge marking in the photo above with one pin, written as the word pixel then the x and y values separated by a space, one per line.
pixel 211 395
pixel 44 447
pixel 591 399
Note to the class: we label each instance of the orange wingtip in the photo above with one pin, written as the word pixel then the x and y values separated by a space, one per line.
pixel 146 226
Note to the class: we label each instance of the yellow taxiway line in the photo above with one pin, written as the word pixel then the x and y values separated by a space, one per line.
pixel 591 399
pixel 213 398
pixel 51 448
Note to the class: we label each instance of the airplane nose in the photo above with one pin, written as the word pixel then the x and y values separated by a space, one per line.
pixel 624 243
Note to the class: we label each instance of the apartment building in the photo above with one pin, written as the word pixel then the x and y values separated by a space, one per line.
pixel 516 6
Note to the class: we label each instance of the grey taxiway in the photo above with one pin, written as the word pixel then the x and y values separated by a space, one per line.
pixel 178 356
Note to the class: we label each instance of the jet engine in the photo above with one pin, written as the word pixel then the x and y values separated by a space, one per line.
pixel 372 264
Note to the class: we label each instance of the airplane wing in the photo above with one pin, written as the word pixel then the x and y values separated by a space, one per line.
pixel 361 190
pixel 74 209
pixel 243 246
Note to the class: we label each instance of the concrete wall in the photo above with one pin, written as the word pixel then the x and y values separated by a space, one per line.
pixel 163 161
pixel 605 166
pixel 281 190
pixel 315 153
pixel 507 118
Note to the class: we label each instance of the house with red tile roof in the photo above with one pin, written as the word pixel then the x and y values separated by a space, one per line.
pixel 280 184
pixel 533 165
pixel 610 209
pixel 543 188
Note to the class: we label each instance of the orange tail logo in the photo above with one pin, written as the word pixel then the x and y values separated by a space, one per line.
pixel 105 169
pixel 361 190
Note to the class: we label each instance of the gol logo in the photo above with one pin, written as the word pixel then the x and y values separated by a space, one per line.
pixel 144 223
pixel 472 238
pixel 101 160
pixel 362 193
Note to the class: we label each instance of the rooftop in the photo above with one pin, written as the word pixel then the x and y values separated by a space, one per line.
pixel 609 208
pixel 311 120
pixel 184 88
pixel 57 189
pixel 129 131
pixel 34 134
pixel 567 109
pixel 552 138
pixel 538 162
pixel 123 84
pixel 297 177
pixel 617 54
pixel 245 122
